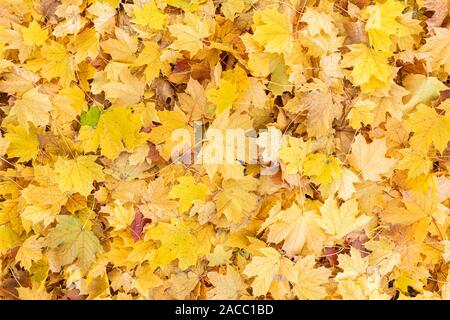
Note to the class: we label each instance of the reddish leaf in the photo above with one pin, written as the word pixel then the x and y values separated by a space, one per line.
pixel 138 225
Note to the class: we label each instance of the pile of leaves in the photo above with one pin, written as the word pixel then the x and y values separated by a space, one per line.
pixel 93 207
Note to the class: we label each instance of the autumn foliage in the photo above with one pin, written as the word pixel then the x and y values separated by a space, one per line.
pixel 352 203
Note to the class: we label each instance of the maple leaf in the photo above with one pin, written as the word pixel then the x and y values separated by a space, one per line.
pixel 296 228
pixel 428 127
pixel 177 242
pixel 77 175
pixel 76 98
pixel 90 118
pixel 23 143
pixel 318 22
pixel 322 110
pixel 224 96
pixel 149 15
pixel 115 115
pixel 8 238
pixel 190 34
pixel 295 154
pixel 273 31
pixel 361 114
pixel 236 200
pixel 33 107
pixel 370 67
pixel 353 265
pixel 382 23
pixel 55 62
pixel 116 129
pixel 43 203
pixel 86 44
pixel 230 8
pixel 220 256
pixel 30 250
pixel 187 191
pixel 437 48
pixel 36 292
pixel 309 280
pixel 103 12
pixel 415 162
pixel 171 121
pixel 384 254
pixel 369 158
pixel 120 216
pixel 72 241
pixel 150 56
pixel 146 279
pixel 339 221
pixel 34 35
pixel 123 48
pixel 322 169
pixel 268 269
pixel 226 287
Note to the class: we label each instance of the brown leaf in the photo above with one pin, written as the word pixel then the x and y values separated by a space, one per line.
pixel 355 32
pixel 360 3
pixel 440 12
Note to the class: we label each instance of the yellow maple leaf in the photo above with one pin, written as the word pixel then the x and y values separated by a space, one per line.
pixel 55 62
pixel 149 16
pixel 190 34
pixel 123 47
pixel 415 162
pixel 30 250
pixel 369 158
pixel 353 265
pixel 220 256
pixel 171 121
pixel 429 127
pixel 36 292
pixel 269 269
pixel 309 280
pixel 32 107
pixel 23 143
pixel 382 23
pixel 273 30
pixel 230 8
pixel 34 35
pixel 120 215
pixel 361 114
pixel 146 279
pixel 177 242
pixel 77 175
pixel 227 286
pixel 339 221
pixel 297 228
pixel 86 44
pixel 437 48
pixel 236 199
pixel 295 154
pixel 188 190
pixel 224 96
pixel 322 169
pixel 118 128
pixel 150 56
pixel 76 98
pixel 371 69
pixel 43 203
pixel 8 238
